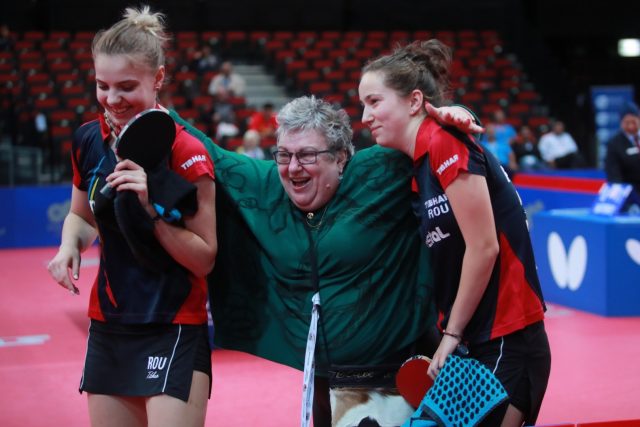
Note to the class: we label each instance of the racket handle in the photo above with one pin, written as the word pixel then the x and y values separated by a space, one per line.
pixel 108 191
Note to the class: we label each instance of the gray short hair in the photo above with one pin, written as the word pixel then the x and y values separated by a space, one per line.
pixel 311 113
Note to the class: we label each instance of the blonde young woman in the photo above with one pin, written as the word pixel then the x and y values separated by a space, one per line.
pixel 148 360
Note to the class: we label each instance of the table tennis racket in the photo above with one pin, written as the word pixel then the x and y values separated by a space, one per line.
pixel 412 379
pixel 147 140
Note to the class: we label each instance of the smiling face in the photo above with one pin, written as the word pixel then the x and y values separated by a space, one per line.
pixel 310 187
pixel 125 89
pixel 385 113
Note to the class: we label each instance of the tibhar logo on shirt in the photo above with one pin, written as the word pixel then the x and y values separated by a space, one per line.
pixel 193 160
pixel 437 206
pixel 155 364
pixel 435 236
pixel 451 160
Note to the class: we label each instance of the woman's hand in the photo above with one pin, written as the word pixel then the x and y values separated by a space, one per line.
pixel 454 116
pixel 65 264
pixel 448 345
pixel 128 175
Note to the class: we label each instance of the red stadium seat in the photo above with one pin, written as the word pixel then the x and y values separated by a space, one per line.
pixel 259 37
pixel 285 55
pixel 30 55
pixel 203 103
pixel 40 90
pixel 211 37
pixel 330 35
pixel 9 78
pixel 324 44
pixel 46 104
pixel 320 88
pixel 34 35
pixel 335 76
pixel 84 35
pixel 59 66
pixel 88 115
pixel 78 103
pixel 295 67
pixel 234 143
pixel 313 54
pixel 326 65
pixel 38 78
pixel 283 35
pixel 60 116
pixel 338 54
pixel 309 36
pixel 337 98
pixel 6 67
pixel 60 36
pixel 74 90
pixel 31 67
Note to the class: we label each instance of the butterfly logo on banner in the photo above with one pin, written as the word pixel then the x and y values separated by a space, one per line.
pixel 567 268
pixel 633 249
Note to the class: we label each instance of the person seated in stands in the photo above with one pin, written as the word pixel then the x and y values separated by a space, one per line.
pixel 622 163
pixel 251 145
pixel 224 118
pixel 265 123
pixel 500 149
pixel 559 149
pixel 205 60
pixel 525 149
pixel 228 81
pixel 7 40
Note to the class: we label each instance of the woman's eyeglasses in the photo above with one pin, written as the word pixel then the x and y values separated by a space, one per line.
pixel 305 157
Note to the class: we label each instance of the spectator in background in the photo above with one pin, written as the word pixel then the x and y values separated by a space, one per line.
pixel 227 81
pixel 224 118
pixel 504 131
pixel 265 123
pixel 500 148
pixel 525 149
pixel 6 38
pixel 622 163
pixel 251 145
pixel 559 149
pixel 205 60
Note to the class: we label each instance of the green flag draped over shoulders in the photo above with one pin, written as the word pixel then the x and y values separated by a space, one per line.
pixel 374 278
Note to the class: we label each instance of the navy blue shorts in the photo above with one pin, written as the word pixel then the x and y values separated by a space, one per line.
pixel 145 360
pixel 522 363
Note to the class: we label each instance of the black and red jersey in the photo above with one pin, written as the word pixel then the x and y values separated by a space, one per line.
pixel 124 291
pixel 513 298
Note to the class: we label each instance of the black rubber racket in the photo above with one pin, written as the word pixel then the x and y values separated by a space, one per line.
pixel 146 140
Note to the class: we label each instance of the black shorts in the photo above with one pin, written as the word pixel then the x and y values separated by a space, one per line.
pixel 145 360
pixel 522 363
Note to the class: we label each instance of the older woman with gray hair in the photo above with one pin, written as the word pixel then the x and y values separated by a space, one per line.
pixel 323 240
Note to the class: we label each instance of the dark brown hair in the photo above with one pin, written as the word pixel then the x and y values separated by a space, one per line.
pixel 422 65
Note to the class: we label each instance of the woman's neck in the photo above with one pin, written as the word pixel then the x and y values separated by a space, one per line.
pixel 408 143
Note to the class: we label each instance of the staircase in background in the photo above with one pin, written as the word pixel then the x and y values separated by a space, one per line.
pixel 262 87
